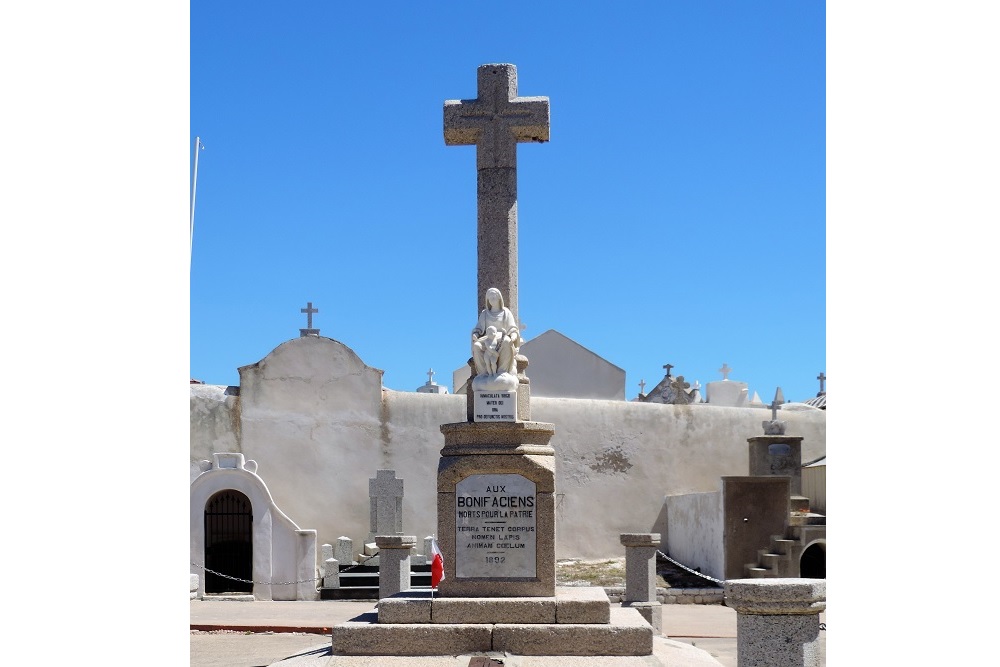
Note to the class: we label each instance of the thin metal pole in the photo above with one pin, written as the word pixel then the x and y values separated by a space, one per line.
pixel 194 186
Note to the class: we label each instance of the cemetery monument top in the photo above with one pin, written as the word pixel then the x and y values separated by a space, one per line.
pixel 495 122
pixel 309 310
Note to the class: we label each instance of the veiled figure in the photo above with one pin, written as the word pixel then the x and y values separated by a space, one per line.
pixel 496 338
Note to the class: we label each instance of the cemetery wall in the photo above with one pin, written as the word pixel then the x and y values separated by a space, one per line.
pixel 696 522
pixel 319 424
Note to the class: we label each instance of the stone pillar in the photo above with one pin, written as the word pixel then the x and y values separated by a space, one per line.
pixel 394 563
pixel 331 573
pixel 640 576
pixel 777 455
pixel 777 623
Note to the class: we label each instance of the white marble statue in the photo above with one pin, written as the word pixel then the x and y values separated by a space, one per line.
pixel 495 342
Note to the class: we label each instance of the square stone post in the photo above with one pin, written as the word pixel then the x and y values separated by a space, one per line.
pixel 331 573
pixel 640 576
pixel 344 552
pixel 777 622
pixel 394 563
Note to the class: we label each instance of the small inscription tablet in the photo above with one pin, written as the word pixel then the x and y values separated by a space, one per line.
pixel 495 527
pixel 495 406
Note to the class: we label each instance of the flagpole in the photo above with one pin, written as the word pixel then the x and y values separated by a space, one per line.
pixel 198 146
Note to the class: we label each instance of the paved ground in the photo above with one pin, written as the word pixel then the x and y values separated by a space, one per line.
pixel 296 634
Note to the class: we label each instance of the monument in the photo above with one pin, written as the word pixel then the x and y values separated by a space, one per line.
pixel 496 474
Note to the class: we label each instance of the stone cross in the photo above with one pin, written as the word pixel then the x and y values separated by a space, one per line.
pixel 642 386
pixel 668 367
pixel 430 376
pixel 725 370
pixel 385 493
pixel 496 121
pixel 309 331
pixel 309 310
pixel 821 377
pixel 779 398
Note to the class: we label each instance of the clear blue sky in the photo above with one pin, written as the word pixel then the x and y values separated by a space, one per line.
pixel 677 214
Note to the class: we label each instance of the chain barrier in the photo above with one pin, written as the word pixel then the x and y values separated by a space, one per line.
pixel 685 567
pixel 278 583
pixel 822 626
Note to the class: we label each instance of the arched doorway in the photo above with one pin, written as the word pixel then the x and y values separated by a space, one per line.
pixel 228 542
pixel 812 563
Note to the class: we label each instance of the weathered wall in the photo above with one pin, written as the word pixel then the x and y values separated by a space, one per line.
pixel 319 425
pixel 696 527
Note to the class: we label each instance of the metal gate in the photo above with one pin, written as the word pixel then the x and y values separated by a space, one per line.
pixel 228 542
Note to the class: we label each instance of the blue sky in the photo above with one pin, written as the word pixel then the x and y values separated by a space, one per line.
pixel 677 214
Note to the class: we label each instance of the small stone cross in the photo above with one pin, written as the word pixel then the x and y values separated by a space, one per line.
pixel 495 122
pixel 779 399
pixel 725 370
pixel 668 367
pixel 430 376
pixel 821 377
pixel 642 386
pixel 309 310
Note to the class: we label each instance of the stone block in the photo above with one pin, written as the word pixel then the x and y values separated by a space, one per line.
pixel 363 635
pixel 628 633
pixel 582 604
pixel 405 607
pixel 651 611
pixel 531 610
pixel 194 586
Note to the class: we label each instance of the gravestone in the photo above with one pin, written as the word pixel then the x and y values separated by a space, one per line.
pixel 385 494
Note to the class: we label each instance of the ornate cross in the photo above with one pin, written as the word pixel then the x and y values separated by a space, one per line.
pixel 668 367
pixel 725 370
pixel 642 386
pixel 309 310
pixel 496 121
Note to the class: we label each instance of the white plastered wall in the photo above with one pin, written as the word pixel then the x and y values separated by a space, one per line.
pixel 696 525
pixel 319 424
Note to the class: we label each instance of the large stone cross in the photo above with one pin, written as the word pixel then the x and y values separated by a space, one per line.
pixel 496 121
pixel 821 377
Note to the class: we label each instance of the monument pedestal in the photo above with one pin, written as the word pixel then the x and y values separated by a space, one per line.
pixel 496 509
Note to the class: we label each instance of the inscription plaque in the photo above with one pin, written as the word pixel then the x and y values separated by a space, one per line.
pixel 495 534
pixel 496 406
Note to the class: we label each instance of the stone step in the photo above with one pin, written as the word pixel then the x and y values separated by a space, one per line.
pixel 755 572
pixel 768 560
pixel 570 604
pixel 626 633
pixel 781 545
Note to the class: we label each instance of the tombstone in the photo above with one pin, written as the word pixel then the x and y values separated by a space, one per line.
pixel 344 551
pixel 386 497
pixel 331 573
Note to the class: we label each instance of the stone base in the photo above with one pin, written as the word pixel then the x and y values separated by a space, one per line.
pixel 651 611
pixel 575 622
pixel 571 604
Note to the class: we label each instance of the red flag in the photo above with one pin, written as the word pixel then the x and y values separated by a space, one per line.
pixel 437 565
